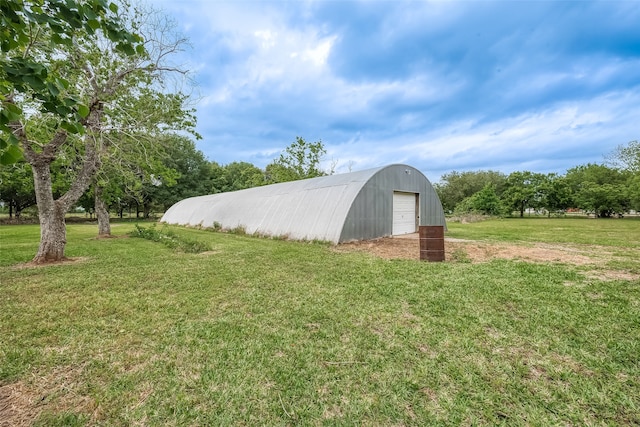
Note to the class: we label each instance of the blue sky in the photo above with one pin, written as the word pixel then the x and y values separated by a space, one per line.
pixel 446 85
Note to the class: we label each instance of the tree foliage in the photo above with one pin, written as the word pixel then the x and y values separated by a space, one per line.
pixel 554 193
pixel 457 186
pixel 34 34
pixel 240 175
pixel 183 173
pixel 634 192
pixel 522 191
pixel 16 187
pixel 626 157
pixel 72 73
pixel 300 160
pixel 599 189
pixel 485 202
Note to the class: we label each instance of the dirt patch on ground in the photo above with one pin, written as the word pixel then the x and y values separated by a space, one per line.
pixel 21 403
pixel 66 261
pixel 15 406
pixel 458 250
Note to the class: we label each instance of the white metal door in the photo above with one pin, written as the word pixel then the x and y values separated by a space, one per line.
pixel 404 213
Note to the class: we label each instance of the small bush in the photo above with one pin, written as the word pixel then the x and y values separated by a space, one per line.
pixel 280 237
pixel 170 239
pixel 239 230
pixel 468 218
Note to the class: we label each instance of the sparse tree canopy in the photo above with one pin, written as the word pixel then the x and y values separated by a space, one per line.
pixel 626 157
pixel 300 160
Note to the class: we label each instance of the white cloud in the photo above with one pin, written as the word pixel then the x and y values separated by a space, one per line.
pixel 457 85
pixel 319 53
pixel 267 38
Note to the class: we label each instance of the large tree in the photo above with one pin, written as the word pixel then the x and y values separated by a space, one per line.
pixel 134 165
pixel 78 68
pixel 599 189
pixel 193 173
pixel 554 193
pixel 523 190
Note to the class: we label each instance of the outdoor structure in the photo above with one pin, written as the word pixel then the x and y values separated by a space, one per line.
pixel 385 201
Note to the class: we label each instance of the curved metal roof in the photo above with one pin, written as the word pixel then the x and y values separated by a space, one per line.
pixel 315 208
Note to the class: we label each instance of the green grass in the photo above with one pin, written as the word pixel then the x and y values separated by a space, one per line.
pixel 272 332
pixel 623 233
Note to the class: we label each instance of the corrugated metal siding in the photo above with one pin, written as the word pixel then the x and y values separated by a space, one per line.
pixel 335 208
pixel 371 214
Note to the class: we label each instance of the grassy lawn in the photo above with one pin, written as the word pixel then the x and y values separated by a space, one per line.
pixel 623 233
pixel 271 332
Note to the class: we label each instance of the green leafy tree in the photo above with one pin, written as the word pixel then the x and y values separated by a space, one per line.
pixel 523 190
pixel 554 193
pixel 605 200
pixel 218 180
pixel 241 175
pixel 599 189
pixel 80 69
pixel 454 187
pixel 626 158
pixel 34 35
pixel 485 202
pixel 189 172
pixel 137 171
pixel 300 160
pixel 633 192
pixel 142 177
pixel 16 187
pixel 235 176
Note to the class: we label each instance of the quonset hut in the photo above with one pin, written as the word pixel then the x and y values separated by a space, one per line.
pixel 385 201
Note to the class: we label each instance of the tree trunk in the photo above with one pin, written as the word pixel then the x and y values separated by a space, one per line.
pixel 53 233
pixel 10 209
pixel 102 213
pixel 53 237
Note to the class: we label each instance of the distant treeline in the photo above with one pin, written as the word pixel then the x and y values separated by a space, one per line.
pixel 174 171
pixel 181 171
